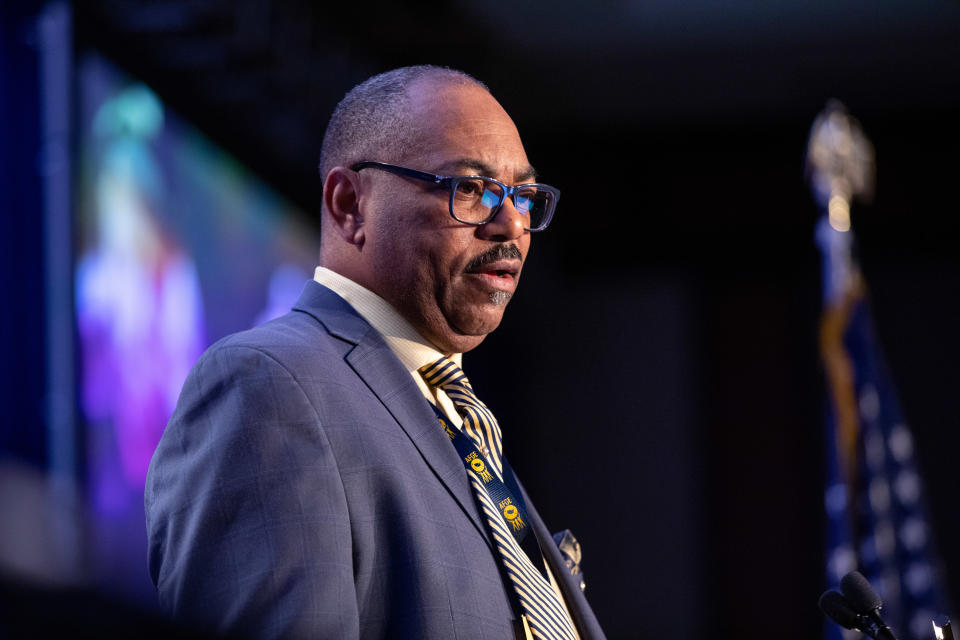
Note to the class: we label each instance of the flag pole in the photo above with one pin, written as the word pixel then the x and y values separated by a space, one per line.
pixel 876 513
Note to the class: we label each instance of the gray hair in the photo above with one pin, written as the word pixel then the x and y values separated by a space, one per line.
pixel 371 122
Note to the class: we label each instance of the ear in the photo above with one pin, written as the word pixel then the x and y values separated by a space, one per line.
pixel 341 197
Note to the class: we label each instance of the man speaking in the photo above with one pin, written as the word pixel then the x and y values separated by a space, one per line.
pixel 332 474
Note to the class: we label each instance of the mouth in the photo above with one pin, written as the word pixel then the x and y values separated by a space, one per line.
pixel 498 269
pixel 499 274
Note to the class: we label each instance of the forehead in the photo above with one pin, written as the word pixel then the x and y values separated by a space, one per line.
pixel 463 129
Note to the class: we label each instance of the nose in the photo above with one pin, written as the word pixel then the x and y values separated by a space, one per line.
pixel 508 224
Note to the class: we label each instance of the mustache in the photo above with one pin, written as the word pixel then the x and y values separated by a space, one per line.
pixel 498 252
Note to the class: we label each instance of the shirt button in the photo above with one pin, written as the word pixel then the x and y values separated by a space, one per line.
pixel 486 451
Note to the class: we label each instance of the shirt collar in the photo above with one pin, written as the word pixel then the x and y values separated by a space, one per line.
pixel 411 348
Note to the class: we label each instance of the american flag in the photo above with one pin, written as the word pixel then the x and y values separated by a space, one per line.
pixel 874 497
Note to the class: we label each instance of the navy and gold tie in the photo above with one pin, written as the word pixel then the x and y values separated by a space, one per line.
pixel 542 607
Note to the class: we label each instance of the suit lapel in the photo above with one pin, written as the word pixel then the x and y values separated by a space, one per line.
pixel 375 364
pixel 580 611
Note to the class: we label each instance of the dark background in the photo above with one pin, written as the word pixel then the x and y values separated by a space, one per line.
pixel 657 375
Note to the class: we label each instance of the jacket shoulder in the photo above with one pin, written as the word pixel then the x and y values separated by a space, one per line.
pixel 286 338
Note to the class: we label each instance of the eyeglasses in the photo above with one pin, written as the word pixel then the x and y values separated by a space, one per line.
pixel 476 199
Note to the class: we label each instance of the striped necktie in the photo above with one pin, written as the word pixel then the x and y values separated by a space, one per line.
pixel 540 603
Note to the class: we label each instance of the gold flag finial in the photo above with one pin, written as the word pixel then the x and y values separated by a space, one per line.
pixel 840 163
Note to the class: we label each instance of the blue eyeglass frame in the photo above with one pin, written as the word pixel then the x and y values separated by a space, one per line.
pixel 450 182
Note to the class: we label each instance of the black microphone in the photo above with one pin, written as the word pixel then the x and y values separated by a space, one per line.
pixel 839 610
pixel 867 603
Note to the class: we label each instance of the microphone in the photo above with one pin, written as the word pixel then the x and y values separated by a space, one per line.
pixel 839 610
pixel 941 628
pixel 867 603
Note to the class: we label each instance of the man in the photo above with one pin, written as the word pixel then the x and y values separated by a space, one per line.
pixel 331 474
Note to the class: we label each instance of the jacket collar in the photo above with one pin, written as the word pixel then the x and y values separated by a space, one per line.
pixel 374 362
pixel 580 610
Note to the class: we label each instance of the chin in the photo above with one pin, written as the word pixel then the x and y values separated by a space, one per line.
pixel 468 324
pixel 463 344
pixel 460 340
pixel 500 298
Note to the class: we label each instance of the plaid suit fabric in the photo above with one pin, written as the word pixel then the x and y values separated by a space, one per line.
pixel 302 489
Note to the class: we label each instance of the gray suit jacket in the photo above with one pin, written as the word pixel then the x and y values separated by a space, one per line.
pixel 303 488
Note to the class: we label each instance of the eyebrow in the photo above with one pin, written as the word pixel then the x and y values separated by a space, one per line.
pixel 527 174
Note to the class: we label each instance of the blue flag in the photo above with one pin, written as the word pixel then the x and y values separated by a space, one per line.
pixel 874 498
